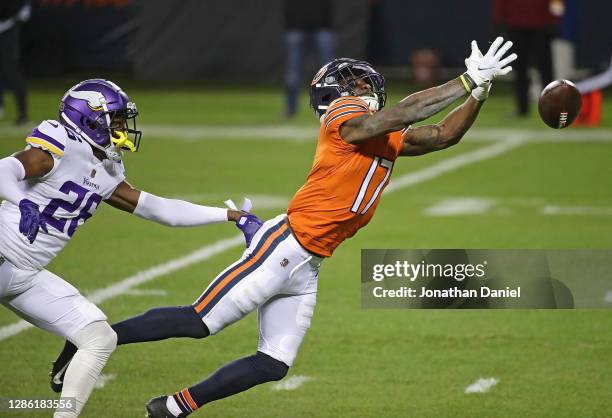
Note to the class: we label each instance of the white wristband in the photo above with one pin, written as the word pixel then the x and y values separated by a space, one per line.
pixel 172 212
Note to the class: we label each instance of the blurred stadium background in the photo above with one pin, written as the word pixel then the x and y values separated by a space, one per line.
pixel 208 81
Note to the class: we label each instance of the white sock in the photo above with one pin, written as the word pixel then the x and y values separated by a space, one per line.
pixel 96 342
pixel 173 406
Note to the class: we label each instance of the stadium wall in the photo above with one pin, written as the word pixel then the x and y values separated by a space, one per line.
pixel 194 39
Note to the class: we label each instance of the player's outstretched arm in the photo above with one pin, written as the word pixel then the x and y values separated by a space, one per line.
pixel 481 70
pixel 429 138
pixel 170 212
pixel 414 108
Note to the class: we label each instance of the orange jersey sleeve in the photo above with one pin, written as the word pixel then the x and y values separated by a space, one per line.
pixel 341 110
pixel 345 183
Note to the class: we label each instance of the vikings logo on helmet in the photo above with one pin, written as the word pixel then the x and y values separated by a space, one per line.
pixel 338 78
pixel 93 108
pixel 95 100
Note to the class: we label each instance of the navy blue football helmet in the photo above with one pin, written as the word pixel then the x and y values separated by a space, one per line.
pixel 338 78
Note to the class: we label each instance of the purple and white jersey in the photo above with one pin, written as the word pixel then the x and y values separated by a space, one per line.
pixel 67 196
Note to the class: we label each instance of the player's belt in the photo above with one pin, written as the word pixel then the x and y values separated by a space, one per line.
pixel 298 241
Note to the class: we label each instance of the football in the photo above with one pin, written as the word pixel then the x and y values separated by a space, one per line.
pixel 559 104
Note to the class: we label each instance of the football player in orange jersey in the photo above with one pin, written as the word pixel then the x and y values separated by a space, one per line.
pixel 277 274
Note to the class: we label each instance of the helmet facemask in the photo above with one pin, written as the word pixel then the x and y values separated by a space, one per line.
pixel 348 81
pixel 120 129
pixel 346 77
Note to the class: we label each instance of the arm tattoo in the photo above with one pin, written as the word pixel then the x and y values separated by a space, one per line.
pixel 425 139
pixel 448 132
pixel 414 108
pixel 428 136
pixel 421 105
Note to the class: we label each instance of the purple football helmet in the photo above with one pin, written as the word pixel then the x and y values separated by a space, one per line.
pixel 93 108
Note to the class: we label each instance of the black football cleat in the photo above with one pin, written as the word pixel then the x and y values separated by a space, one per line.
pixel 156 408
pixel 59 366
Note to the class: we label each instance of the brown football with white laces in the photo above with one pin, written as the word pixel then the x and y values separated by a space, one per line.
pixel 559 104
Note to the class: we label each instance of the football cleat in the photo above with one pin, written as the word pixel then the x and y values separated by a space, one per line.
pixel 156 408
pixel 59 367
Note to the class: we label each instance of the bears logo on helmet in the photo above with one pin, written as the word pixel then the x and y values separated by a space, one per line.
pixel 319 74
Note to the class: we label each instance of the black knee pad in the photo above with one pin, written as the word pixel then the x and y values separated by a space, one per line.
pixel 269 368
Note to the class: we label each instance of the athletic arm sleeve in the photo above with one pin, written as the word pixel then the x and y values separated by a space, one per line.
pixel 172 212
pixel 11 173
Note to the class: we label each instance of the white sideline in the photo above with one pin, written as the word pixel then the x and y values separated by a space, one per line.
pixel 201 132
pixel 196 133
pixel 206 252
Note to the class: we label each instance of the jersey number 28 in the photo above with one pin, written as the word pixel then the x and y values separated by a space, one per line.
pixel 77 205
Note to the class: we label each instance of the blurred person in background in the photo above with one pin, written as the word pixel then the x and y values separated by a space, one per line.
pixel 305 22
pixel 12 14
pixel 530 24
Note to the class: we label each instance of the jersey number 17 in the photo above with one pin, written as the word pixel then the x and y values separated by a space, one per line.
pixel 366 186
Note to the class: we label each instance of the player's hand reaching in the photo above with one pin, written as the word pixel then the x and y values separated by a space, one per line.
pixel 246 222
pixel 483 69
pixel 249 224
pixel 31 220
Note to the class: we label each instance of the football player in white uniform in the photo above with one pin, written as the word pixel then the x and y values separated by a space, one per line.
pixel 51 188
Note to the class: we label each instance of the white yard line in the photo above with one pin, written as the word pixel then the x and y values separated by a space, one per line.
pixel 454 163
pixel 482 385
pixel 461 206
pixel 121 287
pixel 291 383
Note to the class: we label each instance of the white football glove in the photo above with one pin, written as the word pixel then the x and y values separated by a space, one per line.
pixel 482 93
pixel 484 69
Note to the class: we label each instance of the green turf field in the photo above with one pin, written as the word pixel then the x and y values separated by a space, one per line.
pixel 361 363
